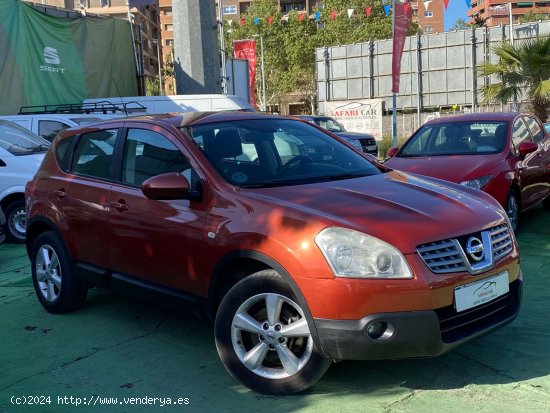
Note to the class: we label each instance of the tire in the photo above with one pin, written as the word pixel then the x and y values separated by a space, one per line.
pixel 244 332
pixel 512 209
pixel 54 283
pixel 16 221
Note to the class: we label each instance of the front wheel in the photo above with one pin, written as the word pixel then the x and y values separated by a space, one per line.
pixel 263 338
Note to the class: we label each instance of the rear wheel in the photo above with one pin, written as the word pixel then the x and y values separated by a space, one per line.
pixel 55 285
pixel 263 337
pixel 16 221
pixel 512 209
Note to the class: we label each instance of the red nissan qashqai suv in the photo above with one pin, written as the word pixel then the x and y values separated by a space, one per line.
pixel 303 249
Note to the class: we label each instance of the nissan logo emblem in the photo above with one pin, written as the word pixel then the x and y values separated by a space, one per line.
pixel 474 248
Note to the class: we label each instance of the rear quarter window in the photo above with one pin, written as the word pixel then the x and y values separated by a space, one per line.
pixel 63 154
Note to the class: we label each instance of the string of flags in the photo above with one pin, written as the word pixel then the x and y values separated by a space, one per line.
pixel 351 12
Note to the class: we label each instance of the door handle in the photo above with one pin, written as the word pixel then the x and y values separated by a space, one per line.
pixel 60 193
pixel 119 206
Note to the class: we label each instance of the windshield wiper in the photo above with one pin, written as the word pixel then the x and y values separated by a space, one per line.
pixel 348 176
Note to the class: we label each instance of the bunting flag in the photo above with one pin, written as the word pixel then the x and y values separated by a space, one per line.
pixel 406 7
pixel 230 22
pixel 270 20
pixel 387 8
pixel 317 16
pixel 332 15
pixel 257 19
pixel 301 17
pixel 468 4
pixel 427 4
pixel 446 3
pixel 368 11
pixel 350 13
pixel 285 18
pixel 241 22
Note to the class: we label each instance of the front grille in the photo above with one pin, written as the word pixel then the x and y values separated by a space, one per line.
pixel 449 255
pixel 454 326
pixel 501 241
pixel 442 256
pixel 367 141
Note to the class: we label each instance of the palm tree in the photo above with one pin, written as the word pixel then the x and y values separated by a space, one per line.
pixel 521 70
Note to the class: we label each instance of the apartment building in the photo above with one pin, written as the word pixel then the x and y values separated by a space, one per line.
pixel 429 15
pixel 496 12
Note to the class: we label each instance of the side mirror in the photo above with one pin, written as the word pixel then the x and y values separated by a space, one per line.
pixel 525 148
pixel 391 152
pixel 166 186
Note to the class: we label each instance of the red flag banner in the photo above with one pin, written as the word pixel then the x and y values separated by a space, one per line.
pixel 270 20
pixel 402 20
pixel 332 15
pixel 246 49
pixel 368 11
pixel 446 3
pixel 301 17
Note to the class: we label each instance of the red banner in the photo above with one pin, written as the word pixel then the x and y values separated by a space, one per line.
pixel 401 22
pixel 246 49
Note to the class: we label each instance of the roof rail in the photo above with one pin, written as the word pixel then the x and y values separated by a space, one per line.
pixel 104 107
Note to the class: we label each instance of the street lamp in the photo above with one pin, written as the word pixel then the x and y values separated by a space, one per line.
pixel 263 70
pixel 158 44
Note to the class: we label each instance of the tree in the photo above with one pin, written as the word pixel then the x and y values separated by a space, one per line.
pixel 522 70
pixel 532 17
pixel 459 24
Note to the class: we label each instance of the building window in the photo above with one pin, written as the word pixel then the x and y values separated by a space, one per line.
pixel 230 9
pixel 104 3
pixel 167 12
pixel 169 42
pixel 428 13
pixel 428 29
pixel 169 27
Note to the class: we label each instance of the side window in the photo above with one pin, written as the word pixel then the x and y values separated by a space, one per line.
pixel 520 133
pixel 534 127
pixel 94 153
pixel 48 128
pixel 148 153
pixel 62 154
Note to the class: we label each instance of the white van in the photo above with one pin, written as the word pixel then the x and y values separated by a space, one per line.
pixel 47 125
pixel 178 103
pixel 21 153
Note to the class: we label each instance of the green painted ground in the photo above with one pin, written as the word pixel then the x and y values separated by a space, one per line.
pixel 119 347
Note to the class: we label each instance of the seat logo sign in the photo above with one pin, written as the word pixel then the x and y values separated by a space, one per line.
pixel 51 57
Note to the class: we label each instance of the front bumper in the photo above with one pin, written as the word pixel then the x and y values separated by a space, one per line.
pixel 424 333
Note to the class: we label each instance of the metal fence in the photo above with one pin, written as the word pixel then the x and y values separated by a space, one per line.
pixel 437 70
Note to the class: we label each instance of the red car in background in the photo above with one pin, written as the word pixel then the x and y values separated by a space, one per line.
pixel 506 155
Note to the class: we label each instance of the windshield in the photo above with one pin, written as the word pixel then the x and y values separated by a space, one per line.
pixel 457 138
pixel 277 152
pixel 19 141
pixel 329 124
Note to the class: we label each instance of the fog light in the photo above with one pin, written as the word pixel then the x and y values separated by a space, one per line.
pixel 380 331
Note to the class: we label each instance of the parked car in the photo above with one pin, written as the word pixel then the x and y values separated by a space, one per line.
pixel 506 155
pixel 302 250
pixel 2 222
pixel 362 141
pixel 49 124
pixel 21 152
pixel 547 127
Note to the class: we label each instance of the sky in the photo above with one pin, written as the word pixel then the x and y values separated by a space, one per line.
pixel 456 10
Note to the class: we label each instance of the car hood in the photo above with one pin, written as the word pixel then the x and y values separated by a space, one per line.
pixel 456 168
pixel 353 135
pixel 402 209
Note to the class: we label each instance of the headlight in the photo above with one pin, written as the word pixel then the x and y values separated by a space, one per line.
pixel 478 183
pixel 353 254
